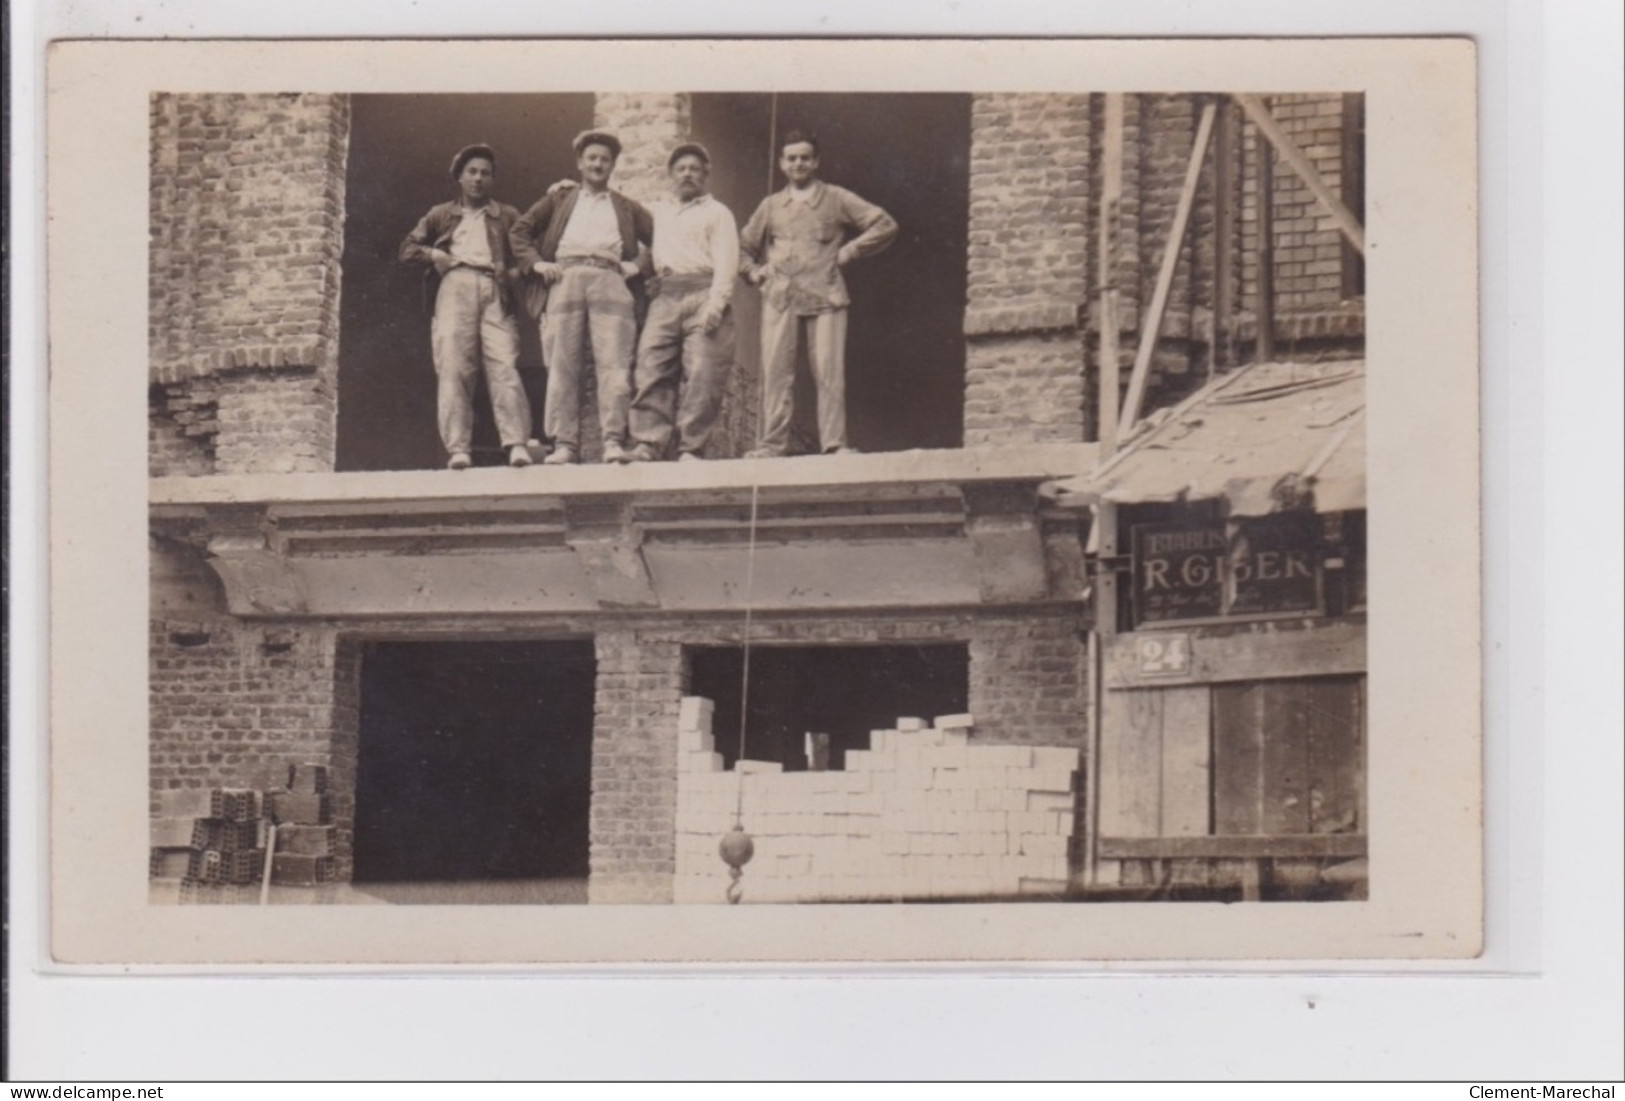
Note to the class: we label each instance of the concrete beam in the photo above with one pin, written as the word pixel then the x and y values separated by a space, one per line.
pixel 610 546
pixel 1002 524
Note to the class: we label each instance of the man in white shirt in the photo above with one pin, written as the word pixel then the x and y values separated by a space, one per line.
pixel 687 346
pixel 581 247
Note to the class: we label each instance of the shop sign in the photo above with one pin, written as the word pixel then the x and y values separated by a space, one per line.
pixel 1204 572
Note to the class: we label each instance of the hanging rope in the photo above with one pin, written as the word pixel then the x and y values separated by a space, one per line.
pixel 737 847
pixel 744 679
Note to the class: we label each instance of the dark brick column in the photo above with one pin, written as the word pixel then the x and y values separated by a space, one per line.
pixel 633 823
pixel 247 218
pixel 1029 254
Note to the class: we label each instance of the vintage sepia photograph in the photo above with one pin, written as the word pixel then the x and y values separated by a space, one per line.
pixel 782 503
pixel 747 497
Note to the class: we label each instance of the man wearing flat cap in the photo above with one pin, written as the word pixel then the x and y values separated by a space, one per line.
pixel 470 286
pixel 688 337
pixel 582 245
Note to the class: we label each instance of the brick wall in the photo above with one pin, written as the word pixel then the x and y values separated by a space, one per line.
pixel 182 427
pixel 634 767
pixel 928 813
pixel 1027 687
pixel 230 702
pixel 649 124
pixel 1034 253
pixel 1028 681
pixel 246 230
pixel 1029 251
pixel 1309 254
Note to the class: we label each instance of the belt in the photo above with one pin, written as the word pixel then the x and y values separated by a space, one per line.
pixel 590 262
pixel 686 283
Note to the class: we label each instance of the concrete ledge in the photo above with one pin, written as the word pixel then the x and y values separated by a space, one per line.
pixel 832 476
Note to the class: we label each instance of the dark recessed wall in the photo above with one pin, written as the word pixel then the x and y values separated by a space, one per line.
pixel 400 151
pixel 911 155
pixel 475 760
pixel 906 355
pixel 842 691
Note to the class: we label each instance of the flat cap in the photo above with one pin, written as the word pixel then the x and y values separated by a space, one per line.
pixel 597 137
pixel 467 153
pixel 689 148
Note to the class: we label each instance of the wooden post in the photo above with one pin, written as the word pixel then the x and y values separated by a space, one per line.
pixel 1151 321
pixel 1264 252
pixel 1111 197
pixel 1105 626
pixel 1346 222
pixel 1224 234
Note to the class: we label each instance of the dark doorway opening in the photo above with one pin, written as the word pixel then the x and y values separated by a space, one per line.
pixel 400 152
pixel 905 341
pixel 842 691
pixel 475 761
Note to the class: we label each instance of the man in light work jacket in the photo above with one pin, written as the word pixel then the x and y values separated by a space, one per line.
pixel 689 334
pixel 795 246
pixel 471 281
pixel 582 245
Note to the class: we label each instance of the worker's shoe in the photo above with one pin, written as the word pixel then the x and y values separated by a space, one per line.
pixel 518 455
pixel 460 460
pixel 643 453
pixel 764 453
pixel 689 457
pixel 562 455
pixel 843 451
pixel 615 453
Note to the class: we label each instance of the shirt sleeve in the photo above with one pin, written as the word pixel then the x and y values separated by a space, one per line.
pixel 419 243
pixel 753 239
pixel 876 229
pixel 531 224
pixel 643 224
pixel 724 255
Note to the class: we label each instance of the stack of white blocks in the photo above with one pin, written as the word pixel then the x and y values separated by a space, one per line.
pixel 922 813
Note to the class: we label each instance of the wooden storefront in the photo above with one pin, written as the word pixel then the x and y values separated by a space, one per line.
pixel 1229 581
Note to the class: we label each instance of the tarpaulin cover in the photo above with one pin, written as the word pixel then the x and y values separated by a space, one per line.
pixel 1264 438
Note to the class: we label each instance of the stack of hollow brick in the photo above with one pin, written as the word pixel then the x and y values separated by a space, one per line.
pixel 304 834
pixel 210 844
pixel 212 841
pixel 924 812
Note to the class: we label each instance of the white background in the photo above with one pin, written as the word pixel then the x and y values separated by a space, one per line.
pixel 1544 1003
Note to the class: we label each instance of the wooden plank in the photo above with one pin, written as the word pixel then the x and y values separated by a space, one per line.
pixel 1284 798
pixel 1317 846
pixel 1347 223
pixel 1151 322
pixel 1323 649
pixel 1264 253
pixel 1111 198
pixel 1131 764
pixel 1224 220
pixel 1238 758
pixel 1186 760
pixel 1336 751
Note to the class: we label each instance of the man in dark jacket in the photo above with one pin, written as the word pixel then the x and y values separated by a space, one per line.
pixel 582 245
pixel 471 280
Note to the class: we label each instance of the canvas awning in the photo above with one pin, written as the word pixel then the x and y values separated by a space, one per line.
pixel 1265 438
